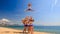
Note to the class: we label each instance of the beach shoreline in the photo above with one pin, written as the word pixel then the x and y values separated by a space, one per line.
pixel 4 30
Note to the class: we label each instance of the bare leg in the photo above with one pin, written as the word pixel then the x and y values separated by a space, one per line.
pixel 32 30
pixel 24 31
pixel 28 29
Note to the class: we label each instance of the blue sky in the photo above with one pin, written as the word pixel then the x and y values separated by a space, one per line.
pixel 47 12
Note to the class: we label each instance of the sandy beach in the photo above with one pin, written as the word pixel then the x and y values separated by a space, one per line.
pixel 4 30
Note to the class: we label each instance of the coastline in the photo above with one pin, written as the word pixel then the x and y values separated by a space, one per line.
pixel 4 30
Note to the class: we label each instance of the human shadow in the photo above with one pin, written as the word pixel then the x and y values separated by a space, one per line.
pixel 16 32
pixel 21 32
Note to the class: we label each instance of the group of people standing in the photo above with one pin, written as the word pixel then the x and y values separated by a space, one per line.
pixel 28 24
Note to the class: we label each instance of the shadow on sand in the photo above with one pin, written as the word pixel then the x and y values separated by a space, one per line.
pixel 21 32
pixel 15 32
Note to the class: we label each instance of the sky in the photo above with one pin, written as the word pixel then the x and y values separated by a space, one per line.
pixel 46 12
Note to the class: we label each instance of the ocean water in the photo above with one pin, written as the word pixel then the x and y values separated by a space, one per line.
pixel 50 29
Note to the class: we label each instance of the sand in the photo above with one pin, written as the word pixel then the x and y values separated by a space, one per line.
pixel 4 30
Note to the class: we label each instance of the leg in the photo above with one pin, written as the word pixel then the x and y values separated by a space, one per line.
pixel 24 31
pixel 32 30
pixel 28 29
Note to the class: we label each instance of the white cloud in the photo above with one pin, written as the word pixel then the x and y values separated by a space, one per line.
pixel 10 22
pixel 4 20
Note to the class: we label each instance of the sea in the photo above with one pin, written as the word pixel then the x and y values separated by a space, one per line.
pixel 49 29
